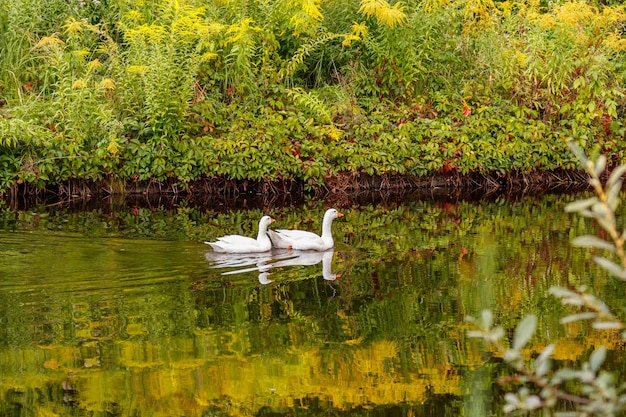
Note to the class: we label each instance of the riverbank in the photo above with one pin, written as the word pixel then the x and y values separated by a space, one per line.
pixel 345 188
pixel 122 98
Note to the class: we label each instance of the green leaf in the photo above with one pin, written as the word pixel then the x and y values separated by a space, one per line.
pixel 600 165
pixel 580 205
pixel 487 318
pixel 543 363
pixel 567 374
pixel 616 175
pixel 524 331
pixel 607 325
pixel 612 195
pixel 597 358
pixel 577 150
pixel 611 267
pixel 590 241
pixel 576 317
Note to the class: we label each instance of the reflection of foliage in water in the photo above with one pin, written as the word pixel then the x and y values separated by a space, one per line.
pixel 386 332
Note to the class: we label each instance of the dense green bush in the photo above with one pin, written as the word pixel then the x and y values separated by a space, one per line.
pixel 179 91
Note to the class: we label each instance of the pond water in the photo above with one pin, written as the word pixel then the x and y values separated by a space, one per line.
pixel 122 310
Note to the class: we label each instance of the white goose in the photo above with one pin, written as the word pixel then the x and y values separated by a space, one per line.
pixel 243 244
pixel 303 240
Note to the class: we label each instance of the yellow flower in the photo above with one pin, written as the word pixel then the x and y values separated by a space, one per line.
pixel 73 26
pixel 347 39
pixel 113 147
pixel 383 11
pixel 107 84
pixel 78 84
pixel 615 42
pixel 521 58
pixel 359 29
pixel 147 33
pixel 139 69
pixel 208 56
pixel 50 42
pixel 312 9
pixel 432 5
pixel 133 15
pixel 82 53
pixel 94 65
pixel 333 132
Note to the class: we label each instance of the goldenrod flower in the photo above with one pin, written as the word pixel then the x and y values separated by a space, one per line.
pixel 78 84
pixel 347 39
pixel 81 53
pixel 333 132
pixel 50 42
pixel 139 69
pixel 359 29
pixel 133 15
pixel 107 84
pixel 113 147
pixel 73 26
pixel 94 65
pixel 383 11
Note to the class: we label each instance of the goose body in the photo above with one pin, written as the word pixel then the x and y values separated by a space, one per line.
pixel 303 240
pixel 244 244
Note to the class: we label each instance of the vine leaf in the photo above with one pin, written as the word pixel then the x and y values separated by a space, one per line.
pixel 524 331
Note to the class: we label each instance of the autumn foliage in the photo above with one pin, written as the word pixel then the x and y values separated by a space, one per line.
pixel 179 91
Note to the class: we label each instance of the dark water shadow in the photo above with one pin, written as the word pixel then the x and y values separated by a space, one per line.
pixel 252 200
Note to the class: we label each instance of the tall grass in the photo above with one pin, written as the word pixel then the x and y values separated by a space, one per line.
pixel 146 89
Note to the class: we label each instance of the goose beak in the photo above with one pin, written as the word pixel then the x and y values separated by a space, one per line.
pixel 339 214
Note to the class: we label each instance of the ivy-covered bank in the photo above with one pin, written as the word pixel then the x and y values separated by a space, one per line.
pixel 116 95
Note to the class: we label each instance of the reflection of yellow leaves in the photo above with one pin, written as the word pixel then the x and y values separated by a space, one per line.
pixel 132 329
pixel 568 350
pixel 352 342
pixel 42 412
pixel 611 339
pixel 53 363
pixel 372 360
pixel 91 362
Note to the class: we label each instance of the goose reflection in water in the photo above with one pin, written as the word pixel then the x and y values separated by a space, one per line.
pixel 265 262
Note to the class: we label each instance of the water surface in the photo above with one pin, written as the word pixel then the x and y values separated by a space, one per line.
pixel 122 310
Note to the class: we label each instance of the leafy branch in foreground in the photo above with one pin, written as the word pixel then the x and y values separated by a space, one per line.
pixel 591 390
